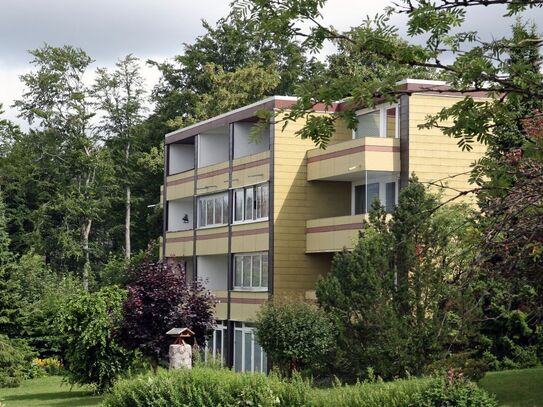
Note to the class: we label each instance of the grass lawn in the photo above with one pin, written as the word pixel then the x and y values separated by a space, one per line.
pixel 48 391
pixel 516 388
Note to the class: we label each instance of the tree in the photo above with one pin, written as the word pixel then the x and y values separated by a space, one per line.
pixel 158 300
pixel 93 354
pixel 296 336
pixel 58 109
pixel 400 299
pixel 120 95
pixel 9 306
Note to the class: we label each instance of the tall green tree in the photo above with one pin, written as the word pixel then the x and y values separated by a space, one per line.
pixel 57 106
pixel 8 303
pixel 400 298
pixel 120 96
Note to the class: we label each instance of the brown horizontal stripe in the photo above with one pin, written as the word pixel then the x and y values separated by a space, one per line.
pixel 251 164
pixel 212 236
pixel 213 173
pixel 179 239
pixel 354 150
pixel 334 228
pixel 250 232
pixel 180 181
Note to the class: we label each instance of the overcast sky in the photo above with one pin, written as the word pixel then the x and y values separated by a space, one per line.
pixel 150 29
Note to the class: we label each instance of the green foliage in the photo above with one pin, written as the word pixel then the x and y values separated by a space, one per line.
pixel 296 336
pixel 211 387
pixel 469 363
pixel 441 393
pixel 15 361
pixel 207 387
pixel 401 297
pixel 93 355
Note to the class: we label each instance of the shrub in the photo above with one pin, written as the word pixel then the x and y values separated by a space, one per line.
pixel 471 366
pixel 201 387
pixel 15 357
pixel 294 335
pixel 460 393
pixel 51 366
pixel 220 387
pixel 93 355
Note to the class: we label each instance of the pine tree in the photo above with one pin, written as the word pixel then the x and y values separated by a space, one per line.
pixel 8 307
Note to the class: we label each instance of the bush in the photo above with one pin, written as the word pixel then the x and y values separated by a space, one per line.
pixel 471 366
pixel 201 387
pixel 294 335
pixel 460 393
pixel 93 355
pixel 15 365
pixel 51 366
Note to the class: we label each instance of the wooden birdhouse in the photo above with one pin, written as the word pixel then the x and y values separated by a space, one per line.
pixel 181 335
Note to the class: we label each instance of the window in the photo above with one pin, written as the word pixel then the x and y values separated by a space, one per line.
pixel 216 344
pixel 382 122
pixel 390 197
pixel 248 354
pixel 369 124
pixel 251 271
pixel 362 203
pixel 213 210
pixel 251 203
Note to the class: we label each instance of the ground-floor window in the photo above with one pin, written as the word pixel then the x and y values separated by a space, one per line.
pixel 216 344
pixel 248 355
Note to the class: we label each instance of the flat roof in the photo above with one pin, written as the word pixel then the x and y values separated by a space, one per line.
pixel 284 102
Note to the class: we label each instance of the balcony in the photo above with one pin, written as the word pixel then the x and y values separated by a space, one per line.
pixel 180 185
pixel 179 244
pixel 332 234
pixel 348 160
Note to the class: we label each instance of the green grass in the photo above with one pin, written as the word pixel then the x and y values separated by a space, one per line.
pixel 48 392
pixel 516 388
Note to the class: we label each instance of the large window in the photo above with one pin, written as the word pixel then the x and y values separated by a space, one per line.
pixel 382 122
pixel 364 199
pixel 365 195
pixel 216 344
pixel 248 354
pixel 251 271
pixel 251 203
pixel 213 210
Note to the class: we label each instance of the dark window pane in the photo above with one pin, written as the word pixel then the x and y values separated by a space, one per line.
pixel 238 271
pixel 248 351
pixel 256 271
pixel 264 205
pixel 373 193
pixel 359 199
pixel 390 196
pixel 264 280
pixel 238 355
pixel 249 204
pixel 218 210
pixel 210 206
pixel 258 358
pixel 238 211
pixel 246 271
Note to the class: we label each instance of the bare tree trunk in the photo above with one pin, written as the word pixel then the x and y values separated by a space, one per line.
pixel 86 267
pixel 128 203
pixel 128 247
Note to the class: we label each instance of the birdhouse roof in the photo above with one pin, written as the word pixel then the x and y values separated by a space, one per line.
pixel 180 332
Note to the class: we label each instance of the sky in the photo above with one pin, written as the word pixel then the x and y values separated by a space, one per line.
pixel 151 29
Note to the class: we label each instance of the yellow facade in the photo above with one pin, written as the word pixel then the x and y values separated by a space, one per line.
pixel 311 194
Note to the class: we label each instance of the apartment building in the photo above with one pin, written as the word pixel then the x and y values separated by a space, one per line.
pixel 263 218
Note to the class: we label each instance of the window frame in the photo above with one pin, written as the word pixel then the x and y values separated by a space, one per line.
pixel 382 192
pixel 204 210
pixel 242 257
pixel 246 329
pixel 382 120
pixel 255 209
pixel 223 328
